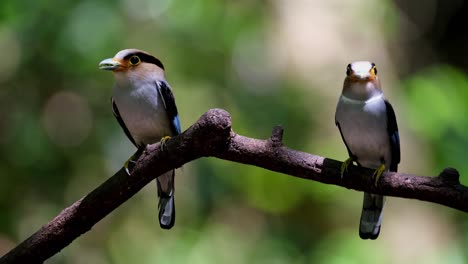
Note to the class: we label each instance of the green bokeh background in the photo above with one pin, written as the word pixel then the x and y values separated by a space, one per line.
pixel 265 62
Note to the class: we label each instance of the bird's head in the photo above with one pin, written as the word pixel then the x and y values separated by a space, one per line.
pixel 361 82
pixel 132 65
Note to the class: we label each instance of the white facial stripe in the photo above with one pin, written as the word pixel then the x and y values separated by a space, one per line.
pixel 361 67
pixel 121 54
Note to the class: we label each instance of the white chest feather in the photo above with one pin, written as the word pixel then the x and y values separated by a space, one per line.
pixel 364 128
pixel 143 112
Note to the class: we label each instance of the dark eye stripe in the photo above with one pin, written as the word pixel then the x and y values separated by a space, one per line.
pixel 145 58
pixel 348 70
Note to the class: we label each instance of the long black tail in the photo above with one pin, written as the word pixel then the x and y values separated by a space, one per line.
pixel 371 216
pixel 166 204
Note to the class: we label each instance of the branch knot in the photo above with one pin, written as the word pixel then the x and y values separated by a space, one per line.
pixel 276 138
pixel 450 175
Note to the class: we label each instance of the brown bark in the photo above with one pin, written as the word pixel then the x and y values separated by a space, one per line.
pixel 211 136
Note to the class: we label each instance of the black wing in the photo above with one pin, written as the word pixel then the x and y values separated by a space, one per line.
pixel 170 105
pixel 394 137
pixel 115 110
pixel 351 155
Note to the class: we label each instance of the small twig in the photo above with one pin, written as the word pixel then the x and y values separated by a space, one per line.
pixel 277 136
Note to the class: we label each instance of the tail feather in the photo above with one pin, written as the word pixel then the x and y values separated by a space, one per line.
pixel 371 217
pixel 166 204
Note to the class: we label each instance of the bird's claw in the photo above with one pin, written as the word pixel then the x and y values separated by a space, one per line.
pixel 126 168
pixel 163 142
pixel 344 166
pixel 130 160
pixel 378 172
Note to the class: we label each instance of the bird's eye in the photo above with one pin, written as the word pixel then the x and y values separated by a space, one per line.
pixel 374 70
pixel 348 70
pixel 135 60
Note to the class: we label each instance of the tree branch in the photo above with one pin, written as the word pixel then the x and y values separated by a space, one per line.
pixel 212 136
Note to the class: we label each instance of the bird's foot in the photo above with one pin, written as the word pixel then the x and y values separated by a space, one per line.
pixel 163 142
pixel 130 163
pixel 378 172
pixel 344 166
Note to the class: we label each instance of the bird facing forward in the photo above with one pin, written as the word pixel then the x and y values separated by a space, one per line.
pixel 144 106
pixel 368 127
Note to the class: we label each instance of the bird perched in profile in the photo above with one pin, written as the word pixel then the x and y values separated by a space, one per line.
pixel 368 127
pixel 144 106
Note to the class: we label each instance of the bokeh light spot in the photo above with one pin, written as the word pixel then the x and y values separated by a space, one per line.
pixel 145 9
pixel 10 45
pixel 91 26
pixel 67 119
pixel 253 63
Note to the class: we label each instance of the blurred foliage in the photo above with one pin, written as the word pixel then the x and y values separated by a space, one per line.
pixel 267 63
pixel 437 109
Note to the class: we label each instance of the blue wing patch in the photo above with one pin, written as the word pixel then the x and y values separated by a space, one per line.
pixel 176 124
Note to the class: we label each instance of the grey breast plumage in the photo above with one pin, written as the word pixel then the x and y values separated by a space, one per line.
pixel 143 112
pixel 363 125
